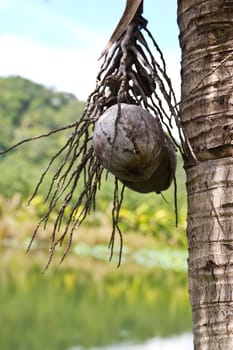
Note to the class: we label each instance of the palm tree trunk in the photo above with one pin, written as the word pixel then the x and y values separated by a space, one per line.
pixel 206 39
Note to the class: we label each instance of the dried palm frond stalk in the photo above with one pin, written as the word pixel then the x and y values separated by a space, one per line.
pixel 132 75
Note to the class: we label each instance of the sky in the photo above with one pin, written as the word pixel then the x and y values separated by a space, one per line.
pixel 57 43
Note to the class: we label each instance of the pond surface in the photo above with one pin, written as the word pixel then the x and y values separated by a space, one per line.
pixel 86 303
pixel 182 342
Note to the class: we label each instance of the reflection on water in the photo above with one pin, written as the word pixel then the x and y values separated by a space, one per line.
pixel 86 303
pixel 183 342
pixel 167 258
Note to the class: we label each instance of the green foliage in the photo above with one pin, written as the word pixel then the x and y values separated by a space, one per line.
pixel 27 110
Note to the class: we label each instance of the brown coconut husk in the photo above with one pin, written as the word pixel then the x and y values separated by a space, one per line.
pixel 131 144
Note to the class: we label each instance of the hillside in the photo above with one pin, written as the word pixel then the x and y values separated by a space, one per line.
pixel 28 109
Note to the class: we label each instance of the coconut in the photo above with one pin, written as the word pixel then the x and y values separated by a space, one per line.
pixel 130 143
pixel 163 175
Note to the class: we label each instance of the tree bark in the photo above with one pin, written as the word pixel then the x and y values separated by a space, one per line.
pixel 206 39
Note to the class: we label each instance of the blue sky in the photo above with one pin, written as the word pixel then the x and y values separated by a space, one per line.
pixel 58 42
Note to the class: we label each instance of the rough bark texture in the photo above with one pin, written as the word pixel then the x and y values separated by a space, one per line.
pixel 206 38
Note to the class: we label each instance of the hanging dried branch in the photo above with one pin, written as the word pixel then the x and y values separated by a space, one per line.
pixel 128 15
pixel 133 72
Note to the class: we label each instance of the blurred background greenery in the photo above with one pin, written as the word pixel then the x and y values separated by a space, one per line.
pixel 85 301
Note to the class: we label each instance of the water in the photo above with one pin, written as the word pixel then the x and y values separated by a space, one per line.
pixel 182 342
pixel 86 303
